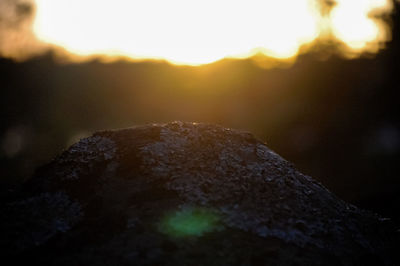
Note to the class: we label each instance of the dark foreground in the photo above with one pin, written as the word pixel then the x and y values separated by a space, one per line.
pixel 185 194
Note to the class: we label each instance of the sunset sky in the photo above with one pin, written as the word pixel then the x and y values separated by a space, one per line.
pixel 196 32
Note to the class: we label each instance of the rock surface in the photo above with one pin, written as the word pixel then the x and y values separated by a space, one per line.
pixel 185 194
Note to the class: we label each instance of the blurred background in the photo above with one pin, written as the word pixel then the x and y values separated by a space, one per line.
pixel 335 118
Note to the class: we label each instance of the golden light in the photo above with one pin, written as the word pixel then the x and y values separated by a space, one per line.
pixel 353 22
pixel 197 32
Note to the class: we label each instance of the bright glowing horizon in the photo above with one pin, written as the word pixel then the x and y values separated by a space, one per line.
pixel 197 32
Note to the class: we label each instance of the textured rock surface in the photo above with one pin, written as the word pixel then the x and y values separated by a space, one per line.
pixel 185 194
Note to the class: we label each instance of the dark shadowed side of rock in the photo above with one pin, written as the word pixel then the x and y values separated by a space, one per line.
pixel 185 194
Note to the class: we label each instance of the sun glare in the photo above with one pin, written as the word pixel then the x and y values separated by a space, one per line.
pixel 197 32
pixel 353 22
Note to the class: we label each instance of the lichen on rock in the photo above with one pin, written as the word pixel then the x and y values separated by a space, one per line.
pixel 126 194
pixel 83 154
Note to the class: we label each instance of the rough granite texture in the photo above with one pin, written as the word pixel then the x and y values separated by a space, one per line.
pixel 102 201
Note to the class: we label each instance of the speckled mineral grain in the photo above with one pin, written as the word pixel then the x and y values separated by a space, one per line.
pixel 185 194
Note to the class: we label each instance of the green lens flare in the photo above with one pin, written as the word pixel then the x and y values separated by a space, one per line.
pixel 189 222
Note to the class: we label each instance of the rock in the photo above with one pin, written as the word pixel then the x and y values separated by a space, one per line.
pixel 185 194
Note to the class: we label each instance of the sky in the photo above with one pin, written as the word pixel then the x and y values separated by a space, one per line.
pixel 191 32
